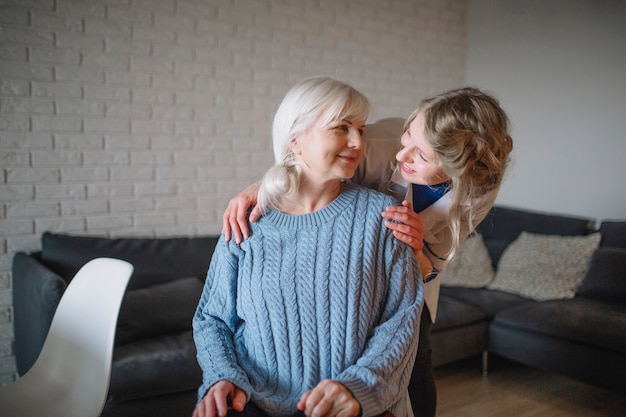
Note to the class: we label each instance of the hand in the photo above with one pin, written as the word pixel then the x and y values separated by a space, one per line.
pixel 410 229
pixel 329 399
pixel 234 218
pixel 215 402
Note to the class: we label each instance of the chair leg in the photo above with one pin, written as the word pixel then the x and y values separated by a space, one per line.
pixel 485 362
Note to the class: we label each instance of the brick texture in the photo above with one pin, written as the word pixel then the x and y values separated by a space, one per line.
pixel 141 118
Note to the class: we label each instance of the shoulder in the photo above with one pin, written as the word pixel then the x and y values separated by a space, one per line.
pixel 372 197
pixel 223 247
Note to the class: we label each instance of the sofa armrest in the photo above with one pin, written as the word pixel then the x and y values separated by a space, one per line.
pixel 36 294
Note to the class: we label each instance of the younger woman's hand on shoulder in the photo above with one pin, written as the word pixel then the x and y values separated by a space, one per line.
pixel 217 399
pixel 406 225
pixel 234 220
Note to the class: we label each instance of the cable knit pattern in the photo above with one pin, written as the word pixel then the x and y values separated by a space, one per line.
pixel 326 295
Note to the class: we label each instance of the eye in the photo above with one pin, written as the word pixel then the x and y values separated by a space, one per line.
pixel 342 128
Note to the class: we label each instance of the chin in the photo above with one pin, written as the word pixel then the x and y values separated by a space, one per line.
pixel 348 174
pixel 410 178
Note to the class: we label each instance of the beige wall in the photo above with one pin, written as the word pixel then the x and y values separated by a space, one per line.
pixel 128 117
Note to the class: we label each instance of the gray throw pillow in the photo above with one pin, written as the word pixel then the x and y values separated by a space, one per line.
pixel 545 267
pixel 471 267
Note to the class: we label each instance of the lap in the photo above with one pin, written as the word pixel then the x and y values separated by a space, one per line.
pixel 252 410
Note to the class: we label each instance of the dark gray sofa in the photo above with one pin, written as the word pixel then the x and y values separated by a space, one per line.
pixel 583 337
pixel 154 365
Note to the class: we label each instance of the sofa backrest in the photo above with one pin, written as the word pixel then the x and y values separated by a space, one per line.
pixel 613 233
pixel 606 277
pixel 503 225
pixel 156 260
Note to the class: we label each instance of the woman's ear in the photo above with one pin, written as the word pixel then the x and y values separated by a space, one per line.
pixel 293 145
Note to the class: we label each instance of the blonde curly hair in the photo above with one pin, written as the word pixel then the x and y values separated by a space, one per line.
pixel 469 133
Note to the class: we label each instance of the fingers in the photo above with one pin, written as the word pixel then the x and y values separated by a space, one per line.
pixel 406 225
pixel 240 223
pixel 416 244
pixel 215 402
pixel 239 399
pixel 226 223
pixel 302 403
pixel 205 408
pixel 219 402
pixel 329 399
pixel 234 221
pixel 255 214
pixel 404 214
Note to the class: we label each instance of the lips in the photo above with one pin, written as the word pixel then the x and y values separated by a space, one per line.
pixel 348 158
pixel 406 168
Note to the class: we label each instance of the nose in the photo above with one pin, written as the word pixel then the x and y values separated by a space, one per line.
pixel 355 139
pixel 400 155
pixel 404 154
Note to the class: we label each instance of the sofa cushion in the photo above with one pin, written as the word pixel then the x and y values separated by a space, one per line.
pixel 155 260
pixel 157 310
pixel 156 366
pixel 453 313
pixel 580 320
pixel 613 233
pixel 544 267
pixel 606 277
pixel 503 225
pixel 489 301
pixel 471 267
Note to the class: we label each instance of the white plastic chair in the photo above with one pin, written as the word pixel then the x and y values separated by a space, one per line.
pixel 71 375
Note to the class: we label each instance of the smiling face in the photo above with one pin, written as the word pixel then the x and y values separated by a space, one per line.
pixel 416 159
pixel 332 151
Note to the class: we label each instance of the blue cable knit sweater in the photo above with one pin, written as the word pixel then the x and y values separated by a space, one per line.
pixel 326 295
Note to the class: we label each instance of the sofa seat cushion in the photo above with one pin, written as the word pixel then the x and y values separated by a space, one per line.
pixel 453 313
pixel 579 320
pixel 490 301
pixel 152 367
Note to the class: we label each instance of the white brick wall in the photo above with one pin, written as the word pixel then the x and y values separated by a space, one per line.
pixel 129 117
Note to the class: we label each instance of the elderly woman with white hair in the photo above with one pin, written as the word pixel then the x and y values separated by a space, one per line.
pixel 318 311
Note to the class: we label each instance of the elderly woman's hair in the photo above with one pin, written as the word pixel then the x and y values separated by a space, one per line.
pixel 317 100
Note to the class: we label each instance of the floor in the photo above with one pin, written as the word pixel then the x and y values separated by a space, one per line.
pixel 514 390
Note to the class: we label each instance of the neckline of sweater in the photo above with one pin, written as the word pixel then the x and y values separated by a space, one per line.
pixel 337 206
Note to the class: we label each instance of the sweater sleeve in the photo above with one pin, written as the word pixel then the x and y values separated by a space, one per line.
pixel 215 321
pixel 381 375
